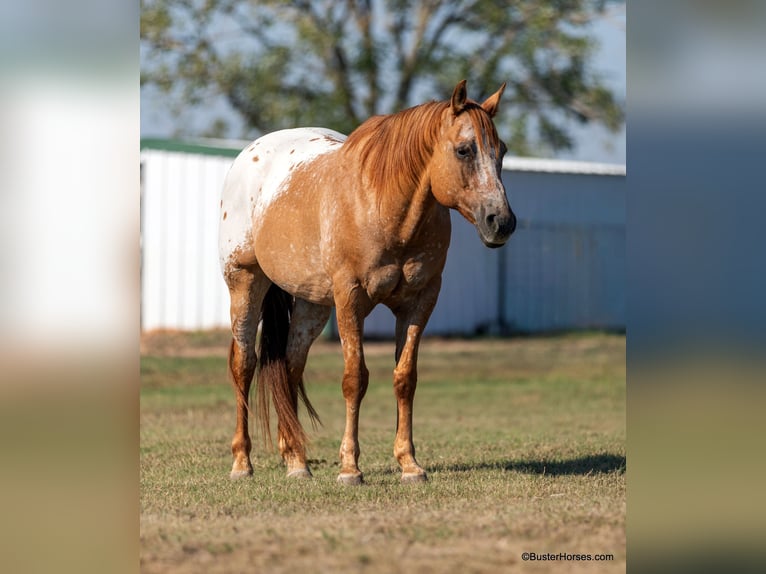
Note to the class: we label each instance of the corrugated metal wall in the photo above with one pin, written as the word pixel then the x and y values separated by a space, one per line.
pixel 563 268
pixel 566 262
pixel 181 284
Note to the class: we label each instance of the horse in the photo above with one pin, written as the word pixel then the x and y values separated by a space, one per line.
pixel 312 219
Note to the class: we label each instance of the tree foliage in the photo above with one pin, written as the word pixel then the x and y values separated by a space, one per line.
pixel 335 63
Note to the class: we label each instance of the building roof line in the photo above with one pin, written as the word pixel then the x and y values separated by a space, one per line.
pixel 563 166
pixel 202 146
pixel 231 148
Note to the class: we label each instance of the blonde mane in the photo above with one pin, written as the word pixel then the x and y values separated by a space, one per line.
pixel 394 150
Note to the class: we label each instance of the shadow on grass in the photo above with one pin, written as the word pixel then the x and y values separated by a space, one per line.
pixel 584 465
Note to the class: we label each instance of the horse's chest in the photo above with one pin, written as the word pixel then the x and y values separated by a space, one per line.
pixel 397 279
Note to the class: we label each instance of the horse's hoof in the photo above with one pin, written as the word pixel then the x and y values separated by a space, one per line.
pixel 300 474
pixel 414 477
pixel 350 479
pixel 237 474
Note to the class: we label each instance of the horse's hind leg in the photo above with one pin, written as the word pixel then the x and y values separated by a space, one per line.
pixel 247 288
pixel 306 324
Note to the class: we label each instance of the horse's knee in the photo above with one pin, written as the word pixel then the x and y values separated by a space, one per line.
pixel 244 330
pixel 242 361
pixel 355 383
pixel 405 381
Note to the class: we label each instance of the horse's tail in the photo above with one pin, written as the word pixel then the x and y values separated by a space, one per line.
pixel 272 372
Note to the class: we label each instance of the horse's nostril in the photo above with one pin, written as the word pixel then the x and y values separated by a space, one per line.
pixel 500 224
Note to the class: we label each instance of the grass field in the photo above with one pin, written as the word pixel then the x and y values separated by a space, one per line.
pixel 523 440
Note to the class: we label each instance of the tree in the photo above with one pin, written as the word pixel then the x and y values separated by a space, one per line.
pixel 335 63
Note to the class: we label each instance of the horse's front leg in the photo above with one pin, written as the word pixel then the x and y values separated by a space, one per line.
pixel 352 306
pixel 411 319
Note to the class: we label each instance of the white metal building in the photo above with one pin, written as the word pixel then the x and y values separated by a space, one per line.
pixel 563 269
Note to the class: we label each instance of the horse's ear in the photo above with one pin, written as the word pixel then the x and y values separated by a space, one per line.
pixel 490 104
pixel 458 98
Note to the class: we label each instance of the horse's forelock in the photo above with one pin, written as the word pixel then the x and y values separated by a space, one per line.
pixel 483 126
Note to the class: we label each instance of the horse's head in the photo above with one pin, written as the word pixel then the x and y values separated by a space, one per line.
pixel 467 163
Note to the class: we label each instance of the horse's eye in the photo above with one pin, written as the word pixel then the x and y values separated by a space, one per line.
pixel 463 151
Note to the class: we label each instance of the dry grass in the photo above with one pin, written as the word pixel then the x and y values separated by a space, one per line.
pixel 523 440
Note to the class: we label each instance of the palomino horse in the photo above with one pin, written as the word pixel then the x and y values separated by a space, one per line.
pixel 312 219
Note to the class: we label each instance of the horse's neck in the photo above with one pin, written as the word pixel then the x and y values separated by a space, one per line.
pixel 402 213
pixel 395 186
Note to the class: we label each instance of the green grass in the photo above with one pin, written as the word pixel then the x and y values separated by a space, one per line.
pixel 523 441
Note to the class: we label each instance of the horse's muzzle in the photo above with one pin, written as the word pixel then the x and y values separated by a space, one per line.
pixel 496 227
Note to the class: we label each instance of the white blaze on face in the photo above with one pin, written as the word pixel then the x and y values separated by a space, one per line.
pixel 260 174
pixel 488 163
pixel 485 155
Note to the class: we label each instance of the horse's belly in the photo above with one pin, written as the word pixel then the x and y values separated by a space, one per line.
pixel 314 293
pixel 293 277
pixel 290 257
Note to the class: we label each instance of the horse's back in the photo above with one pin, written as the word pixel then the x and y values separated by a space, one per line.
pixel 258 176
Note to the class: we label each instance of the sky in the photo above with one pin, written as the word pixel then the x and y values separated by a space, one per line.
pixel 593 143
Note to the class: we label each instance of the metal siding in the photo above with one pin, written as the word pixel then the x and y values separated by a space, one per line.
pixel 379 323
pixel 172 268
pixel 182 287
pixel 468 299
pixel 214 295
pixel 188 200
pixel 152 249
pixel 566 262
